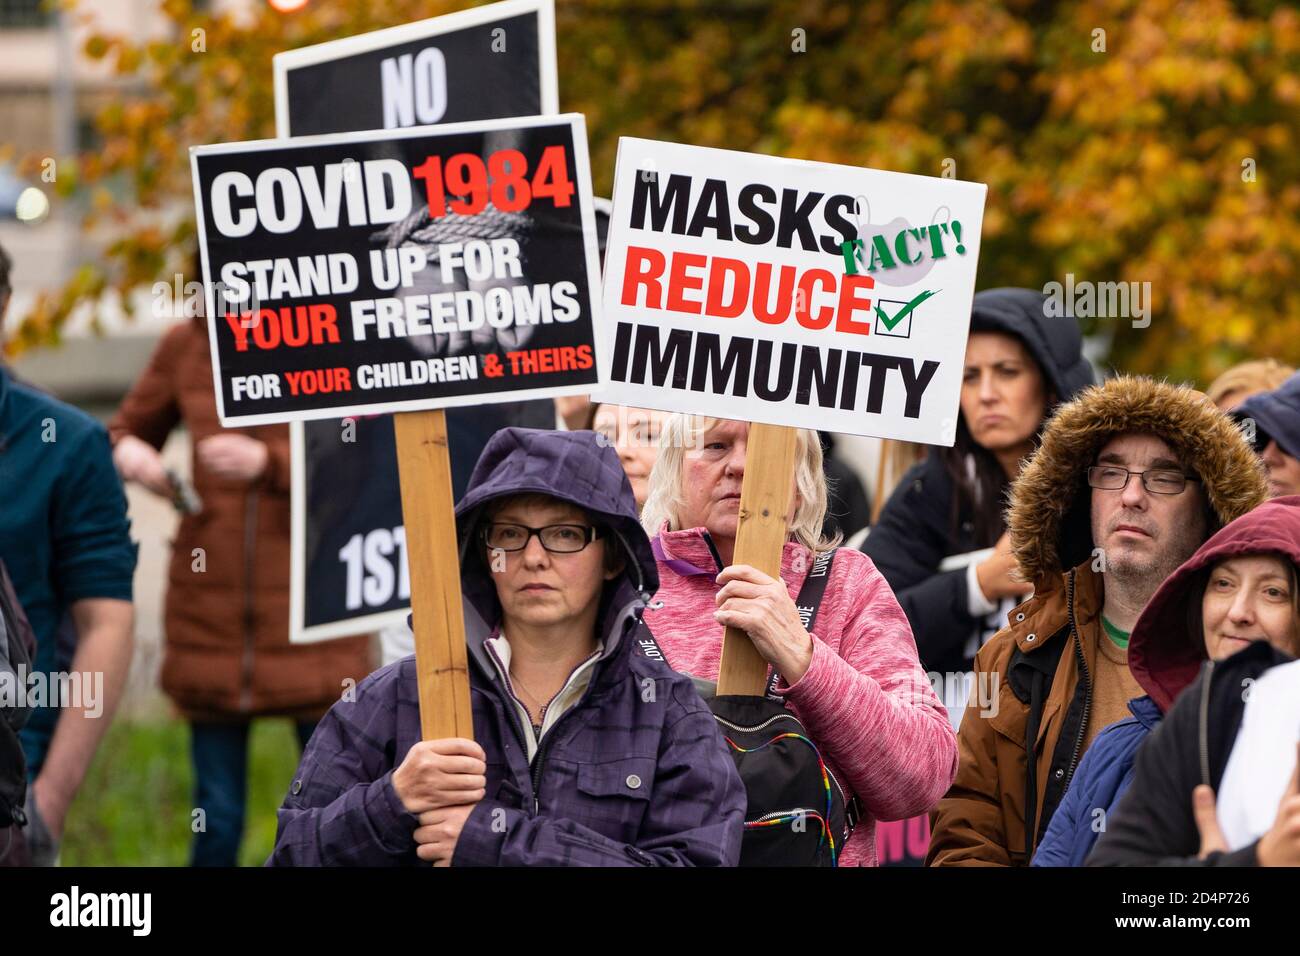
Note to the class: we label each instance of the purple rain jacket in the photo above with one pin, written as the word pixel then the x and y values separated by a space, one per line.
pixel 635 774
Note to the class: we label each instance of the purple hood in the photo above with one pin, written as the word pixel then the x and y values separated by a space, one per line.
pixel 634 773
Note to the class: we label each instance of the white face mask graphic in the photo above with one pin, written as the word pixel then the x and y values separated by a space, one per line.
pixel 902 274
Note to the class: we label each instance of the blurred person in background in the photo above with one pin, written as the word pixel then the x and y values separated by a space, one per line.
pixel 1276 430
pixel 227 657
pixel 1019 365
pixel 65 540
pixel 634 434
pixel 848 505
pixel 1246 379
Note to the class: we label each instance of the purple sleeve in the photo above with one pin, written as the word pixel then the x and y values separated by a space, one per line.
pixel 341 809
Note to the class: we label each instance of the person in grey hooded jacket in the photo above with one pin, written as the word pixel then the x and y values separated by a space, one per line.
pixel 585 751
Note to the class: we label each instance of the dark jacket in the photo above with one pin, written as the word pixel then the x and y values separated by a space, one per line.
pixel 1103 777
pixel 1162 655
pixel 17 645
pixel 1016 764
pixel 64 533
pixel 1153 825
pixel 227 653
pixel 916 530
pixel 635 774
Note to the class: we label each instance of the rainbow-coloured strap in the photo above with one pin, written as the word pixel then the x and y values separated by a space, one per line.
pixel 789 817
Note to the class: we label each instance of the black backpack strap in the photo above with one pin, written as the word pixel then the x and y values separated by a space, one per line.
pixel 808 603
pixel 647 643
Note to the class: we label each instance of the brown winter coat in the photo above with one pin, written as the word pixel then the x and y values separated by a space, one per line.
pixel 227 652
pixel 982 820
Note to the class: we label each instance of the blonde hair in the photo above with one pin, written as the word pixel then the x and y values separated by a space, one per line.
pixel 1253 377
pixel 681 433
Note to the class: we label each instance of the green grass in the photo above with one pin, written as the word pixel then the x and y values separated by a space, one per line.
pixel 135 807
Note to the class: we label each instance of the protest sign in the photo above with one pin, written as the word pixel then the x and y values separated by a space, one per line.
pixel 490 62
pixel 757 288
pixel 728 286
pixel 348 571
pixel 366 273
pixel 362 273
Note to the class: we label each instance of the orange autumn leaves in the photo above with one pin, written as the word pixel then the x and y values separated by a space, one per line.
pixel 1169 157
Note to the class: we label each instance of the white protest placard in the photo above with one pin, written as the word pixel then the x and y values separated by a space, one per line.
pixel 789 292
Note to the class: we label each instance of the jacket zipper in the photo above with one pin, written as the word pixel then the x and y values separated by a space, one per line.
pixel 535 772
pixel 1087 683
pixel 250 553
pixel 757 727
pixel 1205 724
pixel 781 813
pixel 535 769
pixel 516 724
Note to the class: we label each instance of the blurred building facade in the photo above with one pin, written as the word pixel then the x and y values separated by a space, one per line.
pixel 49 94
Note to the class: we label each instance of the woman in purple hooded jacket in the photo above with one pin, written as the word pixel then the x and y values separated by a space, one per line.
pixel 586 752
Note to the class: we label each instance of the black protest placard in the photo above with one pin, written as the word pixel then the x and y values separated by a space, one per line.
pixel 397 271
pixel 349 571
pixel 496 60
pixel 490 62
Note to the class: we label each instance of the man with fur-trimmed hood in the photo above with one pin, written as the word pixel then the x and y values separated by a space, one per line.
pixel 1130 479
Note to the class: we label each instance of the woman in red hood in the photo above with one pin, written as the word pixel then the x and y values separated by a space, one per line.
pixel 1235 602
pixel 1241 587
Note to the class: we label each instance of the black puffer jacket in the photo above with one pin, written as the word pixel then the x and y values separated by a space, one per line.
pixel 1153 825
pixel 915 531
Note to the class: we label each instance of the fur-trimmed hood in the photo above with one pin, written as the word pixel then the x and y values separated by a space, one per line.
pixel 1049 517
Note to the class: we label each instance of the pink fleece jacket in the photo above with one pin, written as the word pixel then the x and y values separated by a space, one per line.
pixel 864 700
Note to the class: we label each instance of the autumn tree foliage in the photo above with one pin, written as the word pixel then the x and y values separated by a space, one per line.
pixel 1146 141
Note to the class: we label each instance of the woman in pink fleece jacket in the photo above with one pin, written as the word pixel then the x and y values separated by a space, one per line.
pixel 855 682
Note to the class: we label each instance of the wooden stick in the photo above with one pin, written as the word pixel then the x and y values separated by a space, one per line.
pixel 878 501
pixel 441 663
pixel 760 541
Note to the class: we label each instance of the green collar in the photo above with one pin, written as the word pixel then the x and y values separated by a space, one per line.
pixel 1118 638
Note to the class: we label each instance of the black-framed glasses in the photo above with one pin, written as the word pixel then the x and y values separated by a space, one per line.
pixel 1158 481
pixel 556 538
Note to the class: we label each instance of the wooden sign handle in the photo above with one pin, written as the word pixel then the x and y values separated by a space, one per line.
pixel 441 662
pixel 760 542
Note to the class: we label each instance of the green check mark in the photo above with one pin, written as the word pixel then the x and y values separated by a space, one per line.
pixel 902 313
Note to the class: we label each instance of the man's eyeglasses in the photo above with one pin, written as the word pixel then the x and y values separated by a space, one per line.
pixel 556 538
pixel 1158 481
